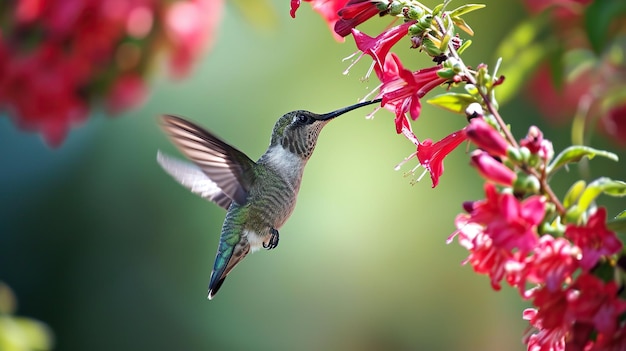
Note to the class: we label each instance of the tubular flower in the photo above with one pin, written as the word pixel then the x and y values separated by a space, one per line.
pixel 594 239
pixel 491 169
pixel 553 263
pixel 550 319
pixel 595 302
pixel 378 47
pixel 486 137
pixel 401 89
pixel 484 257
pixel 431 155
pixel 328 9
pixel 356 12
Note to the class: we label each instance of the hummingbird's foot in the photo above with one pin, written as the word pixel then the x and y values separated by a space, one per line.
pixel 273 242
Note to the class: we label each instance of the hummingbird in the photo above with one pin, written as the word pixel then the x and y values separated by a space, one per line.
pixel 259 196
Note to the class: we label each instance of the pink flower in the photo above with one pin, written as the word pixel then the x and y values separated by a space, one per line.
pixel 431 155
pixel 550 319
pixel 60 58
pixel 611 342
pixel 379 47
pixel 510 223
pixel 328 9
pixel 553 263
pixel 401 89
pixel 484 257
pixel 486 137
pixel 515 222
pixel 356 12
pixel 127 92
pixel 593 301
pixel 294 6
pixel 491 169
pixel 614 123
pixel 536 144
pixel 191 27
pixel 594 239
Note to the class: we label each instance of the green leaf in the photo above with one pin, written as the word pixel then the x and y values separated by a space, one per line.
pixel 573 194
pixel 466 44
pixel 454 102
pixel 461 10
pixel 576 153
pixel 599 18
pixel 599 186
pixel 459 22
pixel 437 9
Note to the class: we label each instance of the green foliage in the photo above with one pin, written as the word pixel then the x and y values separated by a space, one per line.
pixel 454 102
pixel 575 154
pixel 19 333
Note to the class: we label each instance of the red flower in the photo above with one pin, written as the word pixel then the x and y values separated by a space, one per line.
pixel 491 169
pixel 611 342
pixel 515 223
pixel 511 224
pixel 550 319
pixel 553 263
pixel 354 13
pixel 537 145
pixel 485 257
pixel 127 92
pixel 401 89
pixel 594 239
pixel 379 47
pixel 58 58
pixel 328 9
pixel 614 123
pixel 191 26
pixel 486 137
pixel 593 301
pixel 431 155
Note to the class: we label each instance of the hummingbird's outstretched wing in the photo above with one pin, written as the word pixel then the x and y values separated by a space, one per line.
pixel 228 167
pixel 192 178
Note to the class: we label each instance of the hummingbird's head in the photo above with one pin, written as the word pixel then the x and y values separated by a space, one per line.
pixel 297 131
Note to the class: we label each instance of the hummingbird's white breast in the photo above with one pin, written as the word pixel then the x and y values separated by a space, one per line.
pixel 286 163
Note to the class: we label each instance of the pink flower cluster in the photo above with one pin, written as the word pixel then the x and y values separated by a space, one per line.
pixel 564 264
pixel 401 89
pixel 59 58
pixel 503 234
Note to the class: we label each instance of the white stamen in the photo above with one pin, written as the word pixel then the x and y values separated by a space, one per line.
pixel 406 159
pixel 353 62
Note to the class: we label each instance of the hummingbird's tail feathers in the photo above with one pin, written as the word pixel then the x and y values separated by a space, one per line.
pixel 191 177
pixel 228 167
pixel 216 288
pixel 228 256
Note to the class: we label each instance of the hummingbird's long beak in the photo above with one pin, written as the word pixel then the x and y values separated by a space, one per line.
pixel 341 111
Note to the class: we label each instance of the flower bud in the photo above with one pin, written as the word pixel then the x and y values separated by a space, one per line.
pixel 414 12
pixel 526 184
pixel 492 170
pixel 486 137
pixel 395 8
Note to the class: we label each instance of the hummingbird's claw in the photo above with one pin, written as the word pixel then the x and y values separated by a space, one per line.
pixel 273 242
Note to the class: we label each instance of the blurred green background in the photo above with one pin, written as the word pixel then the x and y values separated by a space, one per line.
pixel 103 246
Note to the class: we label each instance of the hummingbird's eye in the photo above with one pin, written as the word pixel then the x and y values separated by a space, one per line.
pixel 301 119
